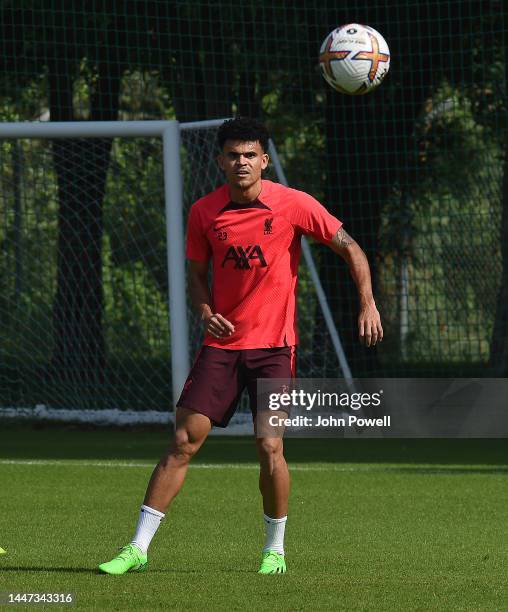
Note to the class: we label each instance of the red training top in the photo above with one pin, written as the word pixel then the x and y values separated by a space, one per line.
pixel 255 249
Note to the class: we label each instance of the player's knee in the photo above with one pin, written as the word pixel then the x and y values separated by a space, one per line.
pixel 269 449
pixel 182 449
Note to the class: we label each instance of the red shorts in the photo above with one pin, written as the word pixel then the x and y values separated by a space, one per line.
pixel 218 377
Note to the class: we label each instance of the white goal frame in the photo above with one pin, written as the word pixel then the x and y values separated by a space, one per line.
pixel 169 131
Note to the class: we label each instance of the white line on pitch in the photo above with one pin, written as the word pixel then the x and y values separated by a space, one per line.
pixel 423 469
pixel 120 464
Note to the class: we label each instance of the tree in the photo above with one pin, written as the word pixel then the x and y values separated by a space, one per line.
pixel 372 142
pixel 499 345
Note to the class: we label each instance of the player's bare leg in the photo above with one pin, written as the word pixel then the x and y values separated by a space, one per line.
pixel 191 430
pixel 274 481
pixel 274 484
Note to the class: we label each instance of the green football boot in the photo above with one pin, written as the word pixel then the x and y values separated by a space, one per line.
pixel 130 559
pixel 272 563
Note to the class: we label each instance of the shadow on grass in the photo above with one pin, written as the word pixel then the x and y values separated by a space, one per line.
pixel 63 570
pixel 204 572
pixel 94 571
pixel 454 471
pixel 54 441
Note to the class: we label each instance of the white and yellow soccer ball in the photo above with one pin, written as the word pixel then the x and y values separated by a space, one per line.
pixel 354 59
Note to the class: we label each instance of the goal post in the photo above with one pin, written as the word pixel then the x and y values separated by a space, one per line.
pixel 188 151
pixel 169 131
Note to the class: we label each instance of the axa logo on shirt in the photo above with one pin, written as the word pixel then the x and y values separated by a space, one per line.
pixel 243 258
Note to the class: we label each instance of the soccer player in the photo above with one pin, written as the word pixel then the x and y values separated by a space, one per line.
pixel 250 229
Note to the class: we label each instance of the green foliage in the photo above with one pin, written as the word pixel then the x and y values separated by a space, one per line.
pixel 28 244
pixel 446 232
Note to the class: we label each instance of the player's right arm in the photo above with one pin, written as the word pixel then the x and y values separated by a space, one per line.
pixel 215 324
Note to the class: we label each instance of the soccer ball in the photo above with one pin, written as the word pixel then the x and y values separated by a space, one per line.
pixel 354 59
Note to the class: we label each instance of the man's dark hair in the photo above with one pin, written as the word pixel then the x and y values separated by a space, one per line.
pixel 244 129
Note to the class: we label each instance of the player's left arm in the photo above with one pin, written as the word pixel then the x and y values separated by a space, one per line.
pixel 370 330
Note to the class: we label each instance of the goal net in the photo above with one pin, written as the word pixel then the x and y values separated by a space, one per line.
pixel 84 278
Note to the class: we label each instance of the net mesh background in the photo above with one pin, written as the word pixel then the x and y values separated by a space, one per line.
pixel 415 170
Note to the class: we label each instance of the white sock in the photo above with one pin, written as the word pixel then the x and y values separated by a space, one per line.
pixel 148 523
pixel 275 534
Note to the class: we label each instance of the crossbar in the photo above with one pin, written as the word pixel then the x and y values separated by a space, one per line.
pixel 96 129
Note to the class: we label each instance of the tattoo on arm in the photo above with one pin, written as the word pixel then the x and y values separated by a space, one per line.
pixel 342 239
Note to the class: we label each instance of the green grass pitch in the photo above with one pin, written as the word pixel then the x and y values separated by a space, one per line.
pixel 373 524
